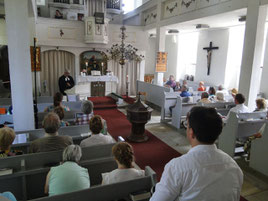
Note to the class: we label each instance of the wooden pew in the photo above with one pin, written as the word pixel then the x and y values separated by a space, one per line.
pixel 109 192
pixel 74 106
pixel 222 108
pixel 154 92
pixel 29 184
pixel 5 101
pixel 6 118
pixel 240 126
pixel 258 153
pixel 180 111
pixel 78 133
pixel 47 159
pixel 169 99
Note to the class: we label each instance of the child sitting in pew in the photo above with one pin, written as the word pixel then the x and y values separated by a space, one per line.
pixel 124 157
pixel 68 176
pixel 60 112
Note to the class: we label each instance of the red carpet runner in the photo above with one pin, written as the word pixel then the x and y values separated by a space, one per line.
pixel 103 102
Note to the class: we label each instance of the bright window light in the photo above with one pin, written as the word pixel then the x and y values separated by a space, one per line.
pixel 128 5
pixel 187 54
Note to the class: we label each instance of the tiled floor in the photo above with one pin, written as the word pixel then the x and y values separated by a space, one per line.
pixel 255 186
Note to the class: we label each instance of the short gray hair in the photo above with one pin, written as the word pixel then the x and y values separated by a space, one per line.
pixel 51 123
pixel 72 153
pixel 87 107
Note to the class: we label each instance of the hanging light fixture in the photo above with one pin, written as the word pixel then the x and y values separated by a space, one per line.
pixel 122 52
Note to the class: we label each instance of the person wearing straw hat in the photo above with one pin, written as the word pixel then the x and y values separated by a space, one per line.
pixel 66 81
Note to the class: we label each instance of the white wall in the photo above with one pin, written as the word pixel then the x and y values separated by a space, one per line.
pixel 220 39
pixel 171 47
pixel 3 36
pixel 150 56
pixel 75 43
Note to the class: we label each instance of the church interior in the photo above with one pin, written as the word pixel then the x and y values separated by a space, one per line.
pixel 143 65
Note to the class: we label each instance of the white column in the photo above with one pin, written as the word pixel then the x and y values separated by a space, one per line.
pixel 252 53
pixel 160 42
pixel 19 63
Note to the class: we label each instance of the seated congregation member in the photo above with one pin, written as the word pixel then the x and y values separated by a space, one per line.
pixel 205 172
pixel 222 89
pixel 7 136
pixel 96 126
pixel 60 112
pixel 212 93
pixel 52 141
pixel 201 86
pixel 124 157
pixel 171 82
pixel 204 98
pixel 68 176
pixel 240 107
pixel 7 196
pixel 261 105
pixel 219 97
pixel 177 87
pixel 184 91
pixel 57 101
pixel 233 92
pixel 87 109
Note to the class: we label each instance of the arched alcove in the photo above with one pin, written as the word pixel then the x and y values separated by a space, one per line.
pixel 93 60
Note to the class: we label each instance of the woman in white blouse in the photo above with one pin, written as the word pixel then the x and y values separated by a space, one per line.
pixel 124 157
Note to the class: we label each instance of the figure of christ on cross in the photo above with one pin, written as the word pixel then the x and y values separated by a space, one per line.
pixel 209 51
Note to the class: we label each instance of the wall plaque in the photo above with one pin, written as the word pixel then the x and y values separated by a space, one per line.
pixel 161 62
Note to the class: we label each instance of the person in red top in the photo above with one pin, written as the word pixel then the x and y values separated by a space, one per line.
pixel 201 86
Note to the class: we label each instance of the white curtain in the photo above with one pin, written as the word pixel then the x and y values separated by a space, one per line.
pixel 132 69
pixel 53 64
pixel 93 6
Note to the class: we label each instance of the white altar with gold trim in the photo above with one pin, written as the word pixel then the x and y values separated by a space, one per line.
pixel 87 86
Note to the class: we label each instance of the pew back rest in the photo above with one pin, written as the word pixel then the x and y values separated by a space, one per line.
pixel 236 129
pixel 181 109
pixel 68 115
pixel 110 192
pixel 258 153
pixel 48 159
pixel 45 99
pixel 252 116
pixel 6 118
pixel 154 92
pixel 5 101
pixel 218 105
pixel 170 99
pixel 69 130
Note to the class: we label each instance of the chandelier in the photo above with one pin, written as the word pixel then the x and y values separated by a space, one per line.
pixel 122 52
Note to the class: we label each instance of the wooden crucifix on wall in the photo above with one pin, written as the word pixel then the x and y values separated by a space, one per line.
pixel 209 54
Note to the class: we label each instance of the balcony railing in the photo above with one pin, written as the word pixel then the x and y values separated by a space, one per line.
pixel 114 4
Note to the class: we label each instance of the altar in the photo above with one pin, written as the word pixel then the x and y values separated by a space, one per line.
pixel 88 86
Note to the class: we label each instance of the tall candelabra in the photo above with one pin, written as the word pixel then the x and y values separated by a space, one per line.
pixel 123 53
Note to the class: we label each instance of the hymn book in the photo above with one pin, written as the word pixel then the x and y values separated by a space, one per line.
pixel 141 195
pixel 6 171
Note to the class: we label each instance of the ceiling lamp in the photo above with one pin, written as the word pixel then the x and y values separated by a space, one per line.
pixel 202 26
